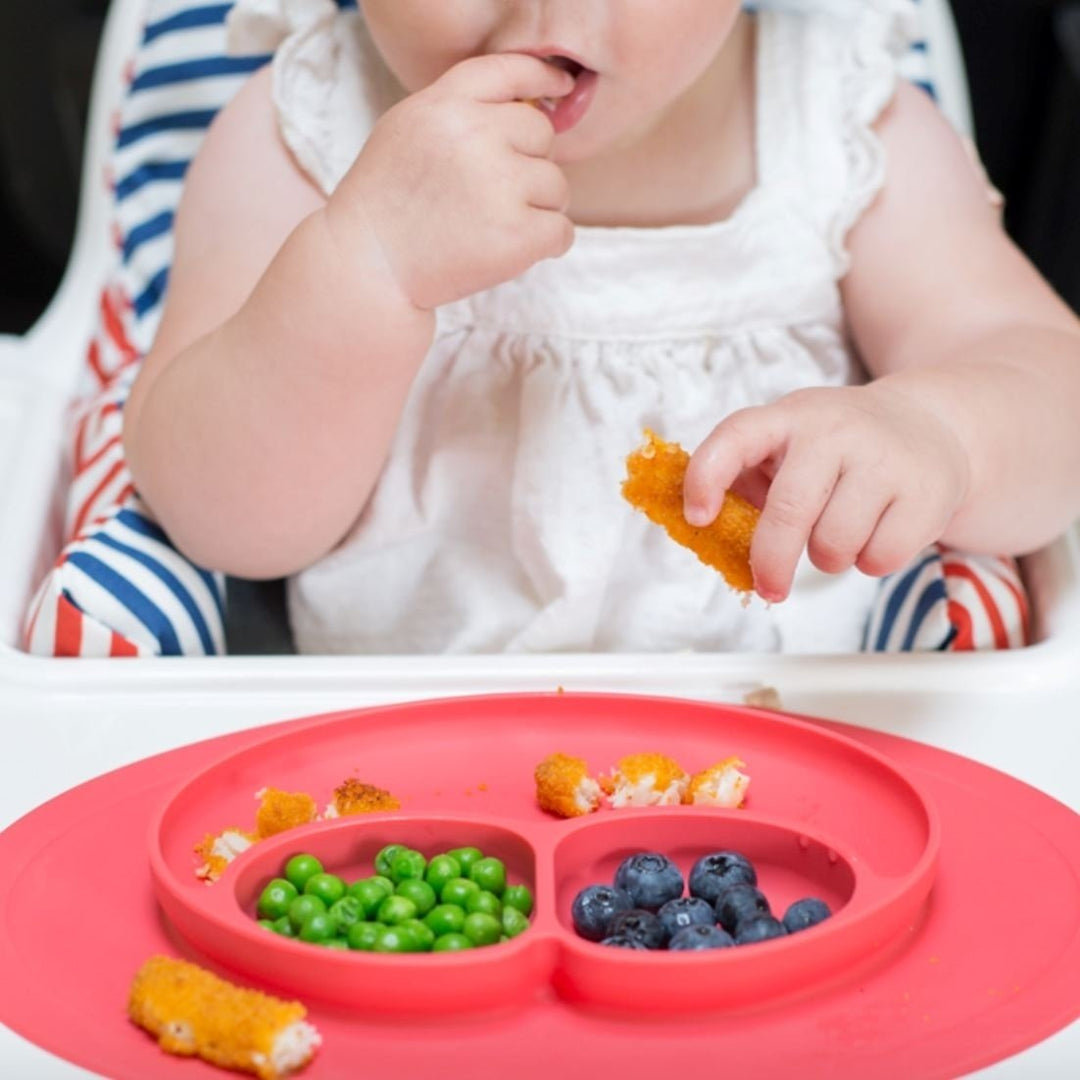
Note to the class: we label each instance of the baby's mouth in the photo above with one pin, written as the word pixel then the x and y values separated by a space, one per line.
pixel 572 67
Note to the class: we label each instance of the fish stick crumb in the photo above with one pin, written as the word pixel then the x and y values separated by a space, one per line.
pixel 564 786
pixel 654 485
pixel 647 779
pixel 723 784
pixel 355 797
pixel 282 810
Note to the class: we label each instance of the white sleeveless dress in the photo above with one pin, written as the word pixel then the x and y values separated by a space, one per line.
pixel 498 524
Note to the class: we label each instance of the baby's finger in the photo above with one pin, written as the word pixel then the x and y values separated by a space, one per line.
pixel 527 128
pixel 903 531
pixel 741 441
pixel 554 233
pixel 547 187
pixel 799 493
pixel 507 77
pixel 846 524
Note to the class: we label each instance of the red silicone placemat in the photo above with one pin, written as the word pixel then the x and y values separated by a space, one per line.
pixel 993 967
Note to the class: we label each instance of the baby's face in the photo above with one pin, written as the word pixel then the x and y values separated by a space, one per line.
pixel 632 58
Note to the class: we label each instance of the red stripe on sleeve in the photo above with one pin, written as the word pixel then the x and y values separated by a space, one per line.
pixel 68 638
pixel 958 570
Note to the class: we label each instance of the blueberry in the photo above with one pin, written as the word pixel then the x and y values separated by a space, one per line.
pixel 693 938
pixel 712 874
pixel 763 928
pixel 623 941
pixel 651 879
pixel 641 925
pixel 594 908
pixel 740 903
pixel 805 913
pixel 685 911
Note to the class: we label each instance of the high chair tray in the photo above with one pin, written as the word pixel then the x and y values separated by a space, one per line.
pixel 931 983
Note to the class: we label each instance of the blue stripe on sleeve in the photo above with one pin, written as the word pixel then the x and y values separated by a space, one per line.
pixel 142 525
pixel 191 19
pixel 152 293
pixel 932 595
pixel 147 231
pixel 195 120
pixel 150 173
pixel 147 612
pixel 170 581
pixel 896 601
pixel 209 67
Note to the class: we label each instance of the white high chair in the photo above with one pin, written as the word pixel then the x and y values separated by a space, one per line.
pixel 66 721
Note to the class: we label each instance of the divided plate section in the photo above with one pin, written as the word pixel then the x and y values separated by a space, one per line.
pixel 870 911
pixel 223 923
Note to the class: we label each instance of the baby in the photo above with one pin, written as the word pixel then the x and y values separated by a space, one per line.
pixel 439 265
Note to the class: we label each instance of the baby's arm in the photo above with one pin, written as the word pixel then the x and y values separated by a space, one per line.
pixel 969 431
pixel 294 326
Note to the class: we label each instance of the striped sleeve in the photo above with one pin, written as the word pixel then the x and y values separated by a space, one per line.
pixel 951 601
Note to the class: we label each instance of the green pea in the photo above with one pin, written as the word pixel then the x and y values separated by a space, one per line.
pixel 266 924
pixel 284 927
pixel 420 893
pixel 482 929
pixel 363 935
pixel 445 919
pixel 386 857
pixel 396 909
pixel 486 902
pixel 318 928
pixel 276 897
pixel 394 939
pixel 407 864
pixel 300 867
pixel 440 870
pixel 465 857
pixel 424 935
pixel 345 912
pixel 513 921
pixel 335 943
pixel 303 908
pixel 489 874
pixel 370 892
pixel 451 943
pixel 329 888
pixel 458 890
pixel 518 896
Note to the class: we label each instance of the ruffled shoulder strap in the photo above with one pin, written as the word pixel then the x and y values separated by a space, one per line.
pixel 827 70
pixel 330 85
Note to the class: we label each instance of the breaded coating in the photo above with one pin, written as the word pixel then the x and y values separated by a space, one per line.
pixel 721 784
pixel 647 780
pixel 194 1013
pixel 564 787
pixel 354 797
pixel 281 810
pixel 217 851
pixel 654 484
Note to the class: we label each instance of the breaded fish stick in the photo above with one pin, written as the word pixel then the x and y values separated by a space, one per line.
pixel 194 1013
pixel 654 484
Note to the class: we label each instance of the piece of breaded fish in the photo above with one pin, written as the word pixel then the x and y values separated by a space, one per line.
pixel 353 796
pixel 282 810
pixel 193 1013
pixel 564 786
pixel 646 780
pixel 722 784
pixel 654 485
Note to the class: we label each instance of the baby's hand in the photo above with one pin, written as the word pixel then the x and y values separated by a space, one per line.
pixel 860 476
pixel 456 183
